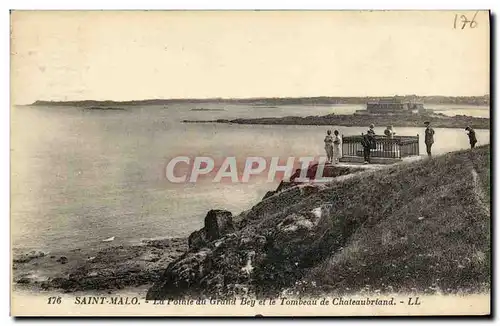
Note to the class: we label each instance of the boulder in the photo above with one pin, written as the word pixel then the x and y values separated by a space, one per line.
pixel 23 280
pixel 197 239
pixel 218 223
pixel 225 269
pixel 27 257
pixel 262 257
pixel 182 274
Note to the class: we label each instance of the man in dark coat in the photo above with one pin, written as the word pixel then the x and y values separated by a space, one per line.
pixel 472 137
pixel 429 137
pixel 367 142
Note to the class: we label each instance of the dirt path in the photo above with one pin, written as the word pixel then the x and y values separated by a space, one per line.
pixel 479 194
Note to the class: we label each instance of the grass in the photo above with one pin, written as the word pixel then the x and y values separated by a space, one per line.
pixel 421 227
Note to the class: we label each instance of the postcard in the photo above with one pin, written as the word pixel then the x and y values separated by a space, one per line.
pixel 250 163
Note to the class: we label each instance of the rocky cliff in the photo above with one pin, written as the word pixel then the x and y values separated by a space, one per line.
pixel 422 226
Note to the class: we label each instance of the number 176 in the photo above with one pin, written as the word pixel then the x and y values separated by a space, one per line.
pixel 465 21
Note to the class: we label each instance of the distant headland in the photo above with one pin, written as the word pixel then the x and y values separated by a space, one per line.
pixel 320 100
pixel 415 120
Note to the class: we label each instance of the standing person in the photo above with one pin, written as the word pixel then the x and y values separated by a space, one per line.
pixel 329 146
pixel 429 137
pixel 389 133
pixel 336 147
pixel 472 136
pixel 371 131
pixel 371 137
pixel 367 145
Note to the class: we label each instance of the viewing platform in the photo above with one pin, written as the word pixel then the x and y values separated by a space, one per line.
pixel 387 150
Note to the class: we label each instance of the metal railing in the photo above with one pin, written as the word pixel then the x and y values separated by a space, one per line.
pixel 396 147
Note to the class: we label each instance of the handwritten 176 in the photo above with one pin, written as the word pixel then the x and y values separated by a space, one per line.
pixel 464 21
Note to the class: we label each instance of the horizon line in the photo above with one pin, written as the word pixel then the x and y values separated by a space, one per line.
pixel 252 98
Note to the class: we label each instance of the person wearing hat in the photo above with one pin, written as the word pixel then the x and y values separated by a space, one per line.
pixel 366 142
pixel 371 136
pixel 472 136
pixel 371 131
pixel 389 133
pixel 429 137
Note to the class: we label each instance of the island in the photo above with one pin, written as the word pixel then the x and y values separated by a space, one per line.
pixel 204 109
pixel 416 120
pixel 104 108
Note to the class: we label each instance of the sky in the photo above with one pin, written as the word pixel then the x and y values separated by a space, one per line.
pixel 134 55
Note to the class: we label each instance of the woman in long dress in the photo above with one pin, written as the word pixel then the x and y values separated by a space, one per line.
pixel 329 146
pixel 336 147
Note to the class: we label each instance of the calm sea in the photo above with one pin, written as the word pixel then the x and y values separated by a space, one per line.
pixel 79 176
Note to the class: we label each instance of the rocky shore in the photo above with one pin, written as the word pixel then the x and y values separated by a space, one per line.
pixel 415 120
pixel 112 268
pixel 115 268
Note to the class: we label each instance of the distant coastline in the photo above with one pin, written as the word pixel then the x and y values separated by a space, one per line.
pixel 414 120
pixel 104 108
pixel 271 101
pixel 203 109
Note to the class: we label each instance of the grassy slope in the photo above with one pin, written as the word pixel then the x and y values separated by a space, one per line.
pixel 421 227
pixel 417 227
